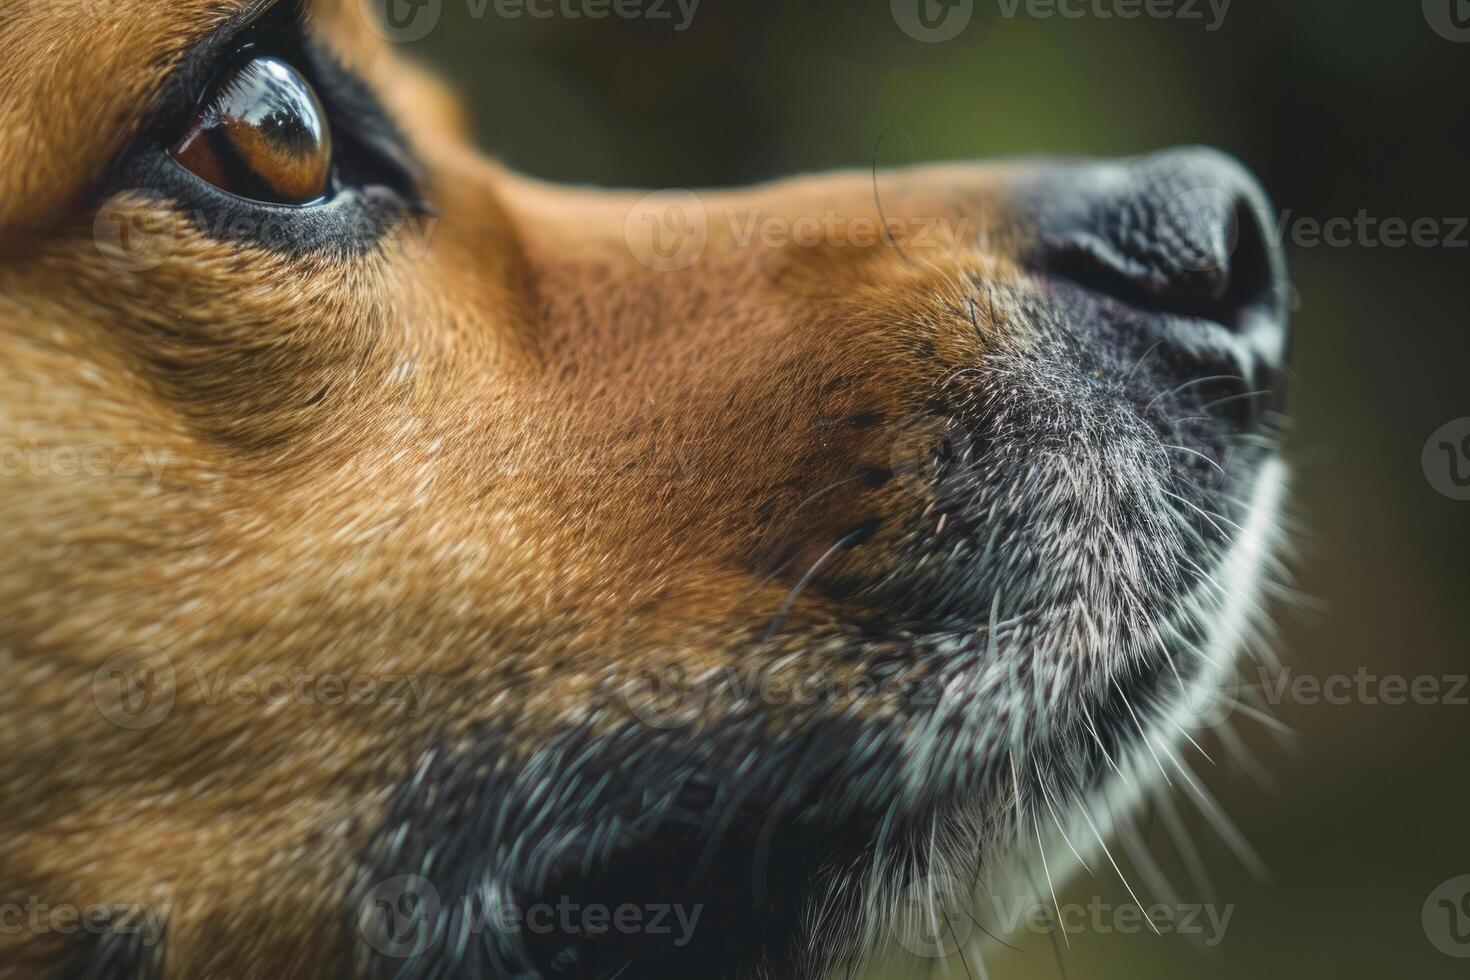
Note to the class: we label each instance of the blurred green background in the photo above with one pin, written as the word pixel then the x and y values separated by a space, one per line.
pixel 1340 109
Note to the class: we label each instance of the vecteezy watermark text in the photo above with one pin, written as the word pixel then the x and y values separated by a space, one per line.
pixel 400 917
pixel 137 688
pixel 1211 12
pixel 937 916
pixel 406 21
pixel 669 230
pixel 936 21
pixel 96 461
pixel 37 917
pixel 1367 688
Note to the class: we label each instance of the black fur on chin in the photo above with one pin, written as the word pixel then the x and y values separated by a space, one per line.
pixel 1047 626
pixel 625 854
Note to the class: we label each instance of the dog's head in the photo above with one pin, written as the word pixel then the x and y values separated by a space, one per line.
pixel 396 548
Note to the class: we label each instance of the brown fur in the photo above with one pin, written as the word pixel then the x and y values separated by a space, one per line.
pixel 499 455
pixel 381 467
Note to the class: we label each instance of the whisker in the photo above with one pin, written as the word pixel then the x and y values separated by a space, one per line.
pixel 1189 384
pixel 1234 398
pixel 1141 734
pixel 806 577
pixel 1194 864
pixel 1269 721
pixel 981 926
pixel 1224 826
pixel 1055 904
pixel 1016 783
pixel 1060 829
pixel 1138 852
pixel 1207 515
pixel 1186 449
pixel 1098 739
pixel 1104 846
pixel 878 199
pixel 948 924
pixel 1139 363
pixel 1239 753
pixel 1185 732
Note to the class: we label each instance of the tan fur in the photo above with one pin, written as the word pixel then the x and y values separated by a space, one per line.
pixel 381 466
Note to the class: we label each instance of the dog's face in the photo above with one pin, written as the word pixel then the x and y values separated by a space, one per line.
pixel 388 535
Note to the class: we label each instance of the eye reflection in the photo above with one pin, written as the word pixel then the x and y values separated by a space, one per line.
pixel 262 135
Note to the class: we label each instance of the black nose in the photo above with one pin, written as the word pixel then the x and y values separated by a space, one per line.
pixel 1185 232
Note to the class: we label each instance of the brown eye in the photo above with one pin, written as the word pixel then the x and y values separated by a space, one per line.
pixel 262 134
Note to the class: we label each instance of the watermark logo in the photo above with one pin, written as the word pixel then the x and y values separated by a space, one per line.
pixel 934 917
pixel 937 915
pixel 1208 922
pixel 1213 705
pixel 1446 459
pixel 398 916
pixel 1203 217
pixel 406 21
pixel 401 21
pixel 403 915
pixel 135 688
pixel 932 21
pixel 673 696
pixel 936 235
pixel 1204 220
pixel 667 231
pixel 17 9
pixel 937 21
pixel 934 458
pixel 652 10
pixel 1446 917
pixel 134 230
pixel 665 697
pixel 1450 19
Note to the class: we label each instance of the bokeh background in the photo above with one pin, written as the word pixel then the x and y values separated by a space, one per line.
pixel 1340 108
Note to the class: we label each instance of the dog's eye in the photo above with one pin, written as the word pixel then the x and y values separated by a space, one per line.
pixel 262 134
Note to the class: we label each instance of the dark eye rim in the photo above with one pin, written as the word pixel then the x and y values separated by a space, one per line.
pixel 376 181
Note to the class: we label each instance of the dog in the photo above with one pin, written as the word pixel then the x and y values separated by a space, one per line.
pixel 413 569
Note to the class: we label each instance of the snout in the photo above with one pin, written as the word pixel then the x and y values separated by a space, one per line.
pixel 1083 462
pixel 1036 394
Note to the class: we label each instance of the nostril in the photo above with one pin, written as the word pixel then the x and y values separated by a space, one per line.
pixel 1183 232
pixel 1211 259
pixel 1251 276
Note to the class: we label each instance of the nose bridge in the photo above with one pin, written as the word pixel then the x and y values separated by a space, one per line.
pixel 929 212
pixel 762 253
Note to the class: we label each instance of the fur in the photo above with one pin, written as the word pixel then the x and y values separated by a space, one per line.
pixel 489 457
